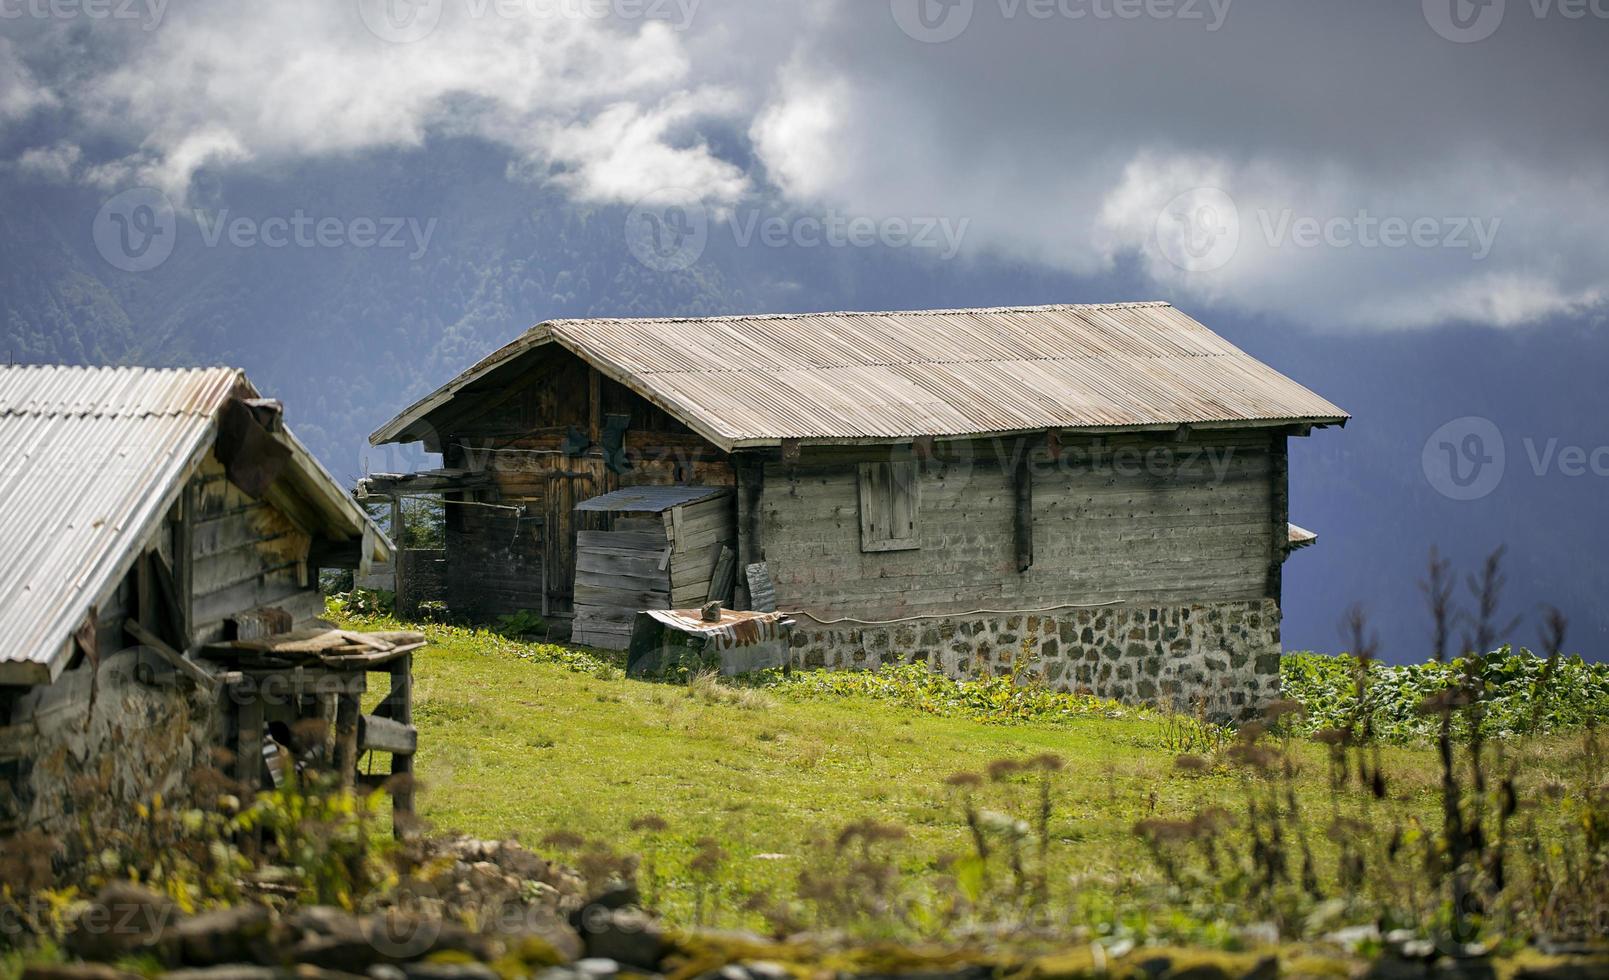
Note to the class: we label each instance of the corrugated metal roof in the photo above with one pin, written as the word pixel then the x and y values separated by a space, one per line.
pixel 648 500
pixel 90 459
pixel 756 380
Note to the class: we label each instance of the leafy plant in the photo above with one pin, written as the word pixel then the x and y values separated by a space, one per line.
pixel 522 625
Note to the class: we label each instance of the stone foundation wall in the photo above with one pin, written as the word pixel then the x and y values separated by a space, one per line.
pixel 1223 655
pixel 80 754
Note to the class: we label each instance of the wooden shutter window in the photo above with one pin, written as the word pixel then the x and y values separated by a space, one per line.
pixel 890 498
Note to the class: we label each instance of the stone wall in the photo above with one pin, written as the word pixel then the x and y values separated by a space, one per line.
pixel 1223 654
pixel 80 754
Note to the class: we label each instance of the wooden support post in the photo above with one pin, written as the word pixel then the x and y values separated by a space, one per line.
pixel 594 406
pixel 346 739
pixel 1022 486
pixel 749 469
pixel 399 708
pixel 1279 506
pixel 184 561
pixel 249 744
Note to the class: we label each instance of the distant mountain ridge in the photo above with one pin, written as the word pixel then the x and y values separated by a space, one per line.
pixel 348 336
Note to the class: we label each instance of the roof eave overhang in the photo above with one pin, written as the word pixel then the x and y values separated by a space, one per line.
pixel 1316 422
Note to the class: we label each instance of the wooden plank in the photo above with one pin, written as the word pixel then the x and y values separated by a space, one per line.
pixel 640 564
pixel 377 734
pixel 719 525
pixel 265 590
pixel 623 540
pixel 723 577
pixel 656 582
pixel 639 524
pixel 592 595
pixel 762 594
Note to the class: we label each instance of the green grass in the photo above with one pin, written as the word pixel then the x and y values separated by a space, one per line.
pixel 523 740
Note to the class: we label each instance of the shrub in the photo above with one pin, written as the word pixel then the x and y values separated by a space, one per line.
pixel 1521 697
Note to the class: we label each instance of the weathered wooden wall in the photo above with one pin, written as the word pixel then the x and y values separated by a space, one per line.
pixel 513 427
pixel 1175 531
pixel 247 554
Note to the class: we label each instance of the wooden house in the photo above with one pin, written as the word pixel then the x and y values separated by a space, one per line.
pixel 149 517
pixel 1096 493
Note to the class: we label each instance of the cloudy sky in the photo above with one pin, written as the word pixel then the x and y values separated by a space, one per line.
pixel 1365 165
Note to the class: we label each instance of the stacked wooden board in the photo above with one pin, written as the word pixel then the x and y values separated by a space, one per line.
pixel 665 548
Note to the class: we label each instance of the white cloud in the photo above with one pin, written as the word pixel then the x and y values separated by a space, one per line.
pixel 1060 141
pixel 20 92
pixel 236 82
pixel 57 163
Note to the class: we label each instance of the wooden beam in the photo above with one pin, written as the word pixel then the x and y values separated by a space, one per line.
pixel 594 406
pixel 1022 487
pixel 184 557
pixel 749 471
pixel 151 641
pixel 1280 512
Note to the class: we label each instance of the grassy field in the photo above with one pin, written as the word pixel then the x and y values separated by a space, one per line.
pixel 524 740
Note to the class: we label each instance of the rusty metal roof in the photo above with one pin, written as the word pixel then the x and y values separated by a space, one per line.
pixel 745 381
pixel 649 499
pixel 90 461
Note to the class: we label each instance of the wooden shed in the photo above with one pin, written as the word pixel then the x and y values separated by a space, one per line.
pixel 151 520
pixel 666 547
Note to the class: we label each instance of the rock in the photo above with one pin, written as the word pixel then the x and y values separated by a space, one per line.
pixel 123 918
pixel 386 971
pixel 233 935
pixel 75 971
pixel 1352 937
pixel 230 971
pixel 596 966
pixel 449 971
pixel 628 936
pixel 616 896
pixel 325 920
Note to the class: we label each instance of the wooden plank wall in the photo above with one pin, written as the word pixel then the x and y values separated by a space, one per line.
pixel 619 572
pixel 697 533
pixel 247 554
pixel 1178 535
